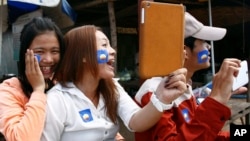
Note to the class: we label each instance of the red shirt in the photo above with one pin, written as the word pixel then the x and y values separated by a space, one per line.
pixel 186 121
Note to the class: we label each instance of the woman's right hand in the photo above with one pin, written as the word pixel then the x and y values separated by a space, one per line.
pixel 33 72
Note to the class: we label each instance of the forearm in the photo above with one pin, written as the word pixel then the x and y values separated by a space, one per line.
pixel 145 118
pixel 24 123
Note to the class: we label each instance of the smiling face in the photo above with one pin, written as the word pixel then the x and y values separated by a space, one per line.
pixel 106 69
pixel 47 46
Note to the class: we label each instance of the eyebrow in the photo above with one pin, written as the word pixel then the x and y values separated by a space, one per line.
pixel 105 39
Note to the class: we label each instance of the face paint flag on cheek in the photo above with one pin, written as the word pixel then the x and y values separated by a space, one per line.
pixel 38 57
pixel 102 56
pixel 203 56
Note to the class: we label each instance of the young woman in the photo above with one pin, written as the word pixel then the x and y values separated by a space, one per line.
pixel 23 99
pixel 87 101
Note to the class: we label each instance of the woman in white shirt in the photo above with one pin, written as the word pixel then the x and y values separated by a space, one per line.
pixel 86 102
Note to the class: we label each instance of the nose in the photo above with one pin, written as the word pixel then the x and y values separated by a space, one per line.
pixel 47 58
pixel 111 51
pixel 208 46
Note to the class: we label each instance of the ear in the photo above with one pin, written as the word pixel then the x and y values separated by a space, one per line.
pixel 186 55
pixel 84 60
pixel 185 52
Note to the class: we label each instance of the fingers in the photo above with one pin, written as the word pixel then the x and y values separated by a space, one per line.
pixel 240 90
pixel 31 62
pixel 223 80
pixel 179 71
pixel 230 65
pixel 33 72
pixel 176 79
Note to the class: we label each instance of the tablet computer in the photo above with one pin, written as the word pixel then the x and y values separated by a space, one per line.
pixel 161 38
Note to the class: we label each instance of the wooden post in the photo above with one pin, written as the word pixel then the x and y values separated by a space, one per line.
pixel 113 32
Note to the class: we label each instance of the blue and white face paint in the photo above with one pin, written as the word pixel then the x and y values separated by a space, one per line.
pixel 102 56
pixel 203 56
pixel 38 57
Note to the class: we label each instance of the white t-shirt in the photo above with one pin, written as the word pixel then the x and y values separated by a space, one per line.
pixel 71 116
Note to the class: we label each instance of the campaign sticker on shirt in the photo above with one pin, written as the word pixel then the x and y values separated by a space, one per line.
pixel 203 56
pixel 185 115
pixel 86 115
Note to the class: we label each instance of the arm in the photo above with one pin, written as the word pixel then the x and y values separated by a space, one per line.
pixel 206 123
pixel 211 115
pixel 127 108
pixel 21 118
pixel 167 90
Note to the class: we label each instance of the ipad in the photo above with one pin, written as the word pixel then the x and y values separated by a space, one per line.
pixel 161 38
pixel 242 78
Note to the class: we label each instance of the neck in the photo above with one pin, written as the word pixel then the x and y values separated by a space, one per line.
pixel 89 89
pixel 190 73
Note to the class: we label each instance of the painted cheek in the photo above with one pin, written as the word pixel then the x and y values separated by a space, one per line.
pixel 102 56
pixel 202 56
pixel 38 57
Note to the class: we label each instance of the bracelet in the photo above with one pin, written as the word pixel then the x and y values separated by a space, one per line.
pixel 159 105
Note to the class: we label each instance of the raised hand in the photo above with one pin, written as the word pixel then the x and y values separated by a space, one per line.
pixel 33 72
pixel 172 86
pixel 223 80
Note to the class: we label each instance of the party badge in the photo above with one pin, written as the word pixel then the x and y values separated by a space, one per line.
pixel 86 115
pixel 185 115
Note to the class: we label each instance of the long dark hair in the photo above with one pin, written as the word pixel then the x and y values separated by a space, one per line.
pixel 80 43
pixel 38 26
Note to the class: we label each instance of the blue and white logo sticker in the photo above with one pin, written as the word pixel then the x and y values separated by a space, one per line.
pixel 86 115
pixel 185 114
